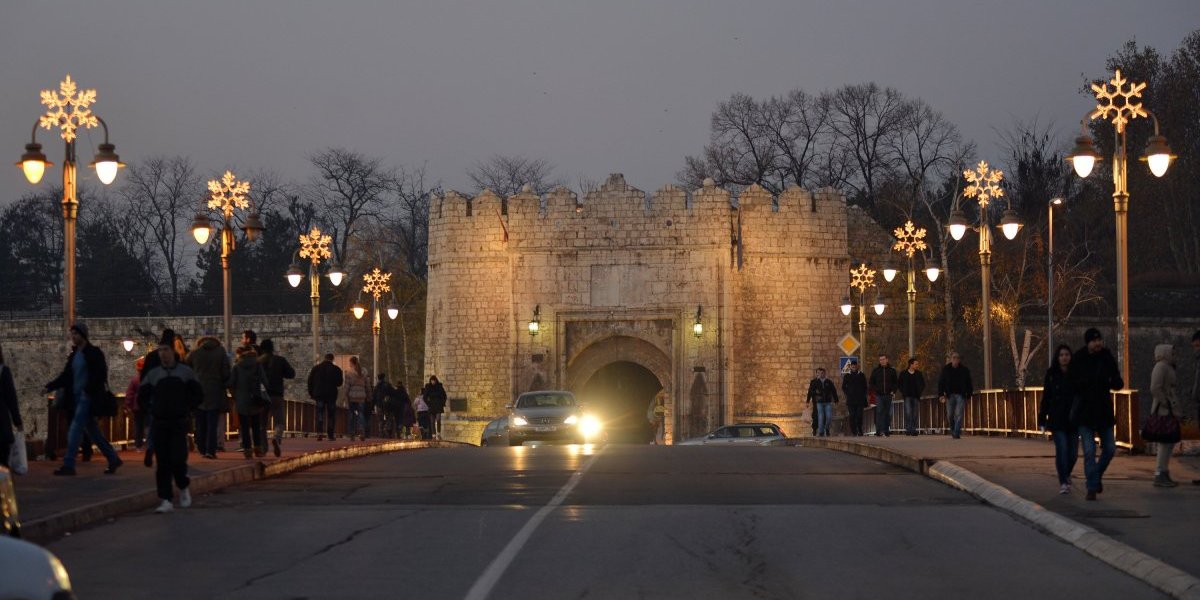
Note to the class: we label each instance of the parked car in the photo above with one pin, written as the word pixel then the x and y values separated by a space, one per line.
pixel 495 433
pixel 741 434
pixel 550 416
pixel 27 571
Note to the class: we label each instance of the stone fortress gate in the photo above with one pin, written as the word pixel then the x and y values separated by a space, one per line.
pixel 617 282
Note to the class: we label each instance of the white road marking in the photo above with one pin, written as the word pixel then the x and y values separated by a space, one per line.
pixel 492 574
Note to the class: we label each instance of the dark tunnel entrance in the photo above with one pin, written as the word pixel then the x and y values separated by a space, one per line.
pixel 621 394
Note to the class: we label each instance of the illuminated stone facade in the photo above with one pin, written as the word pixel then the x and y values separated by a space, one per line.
pixel 619 276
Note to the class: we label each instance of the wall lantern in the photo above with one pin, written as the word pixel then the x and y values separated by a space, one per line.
pixel 535 324
pixel 128 345
pixel 698 325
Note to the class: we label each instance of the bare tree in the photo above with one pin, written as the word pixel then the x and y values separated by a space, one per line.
pixel 407 228
pixel 161 195
pixel 506 174
pixel 864 119
pixel 797 125
pixel 348 189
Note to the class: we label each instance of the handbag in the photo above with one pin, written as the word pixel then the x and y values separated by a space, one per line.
pixel 1163 429
pixel 18 460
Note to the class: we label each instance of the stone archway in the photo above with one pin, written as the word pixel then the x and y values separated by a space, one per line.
pixel 619 377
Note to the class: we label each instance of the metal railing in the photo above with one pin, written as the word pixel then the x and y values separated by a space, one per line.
pixel 1008 413
pixel 300 420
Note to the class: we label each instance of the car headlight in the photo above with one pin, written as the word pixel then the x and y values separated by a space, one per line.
pixel 519 421
pixel 571 420
pixel 589 426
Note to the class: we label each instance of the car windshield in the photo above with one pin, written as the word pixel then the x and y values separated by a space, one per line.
pixel 545 401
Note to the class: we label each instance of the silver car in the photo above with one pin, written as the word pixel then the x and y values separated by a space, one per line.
pixel 549 416
pixel 741 434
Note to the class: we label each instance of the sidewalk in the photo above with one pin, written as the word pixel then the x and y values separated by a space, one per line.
pixel 50 505
pixel 1161 522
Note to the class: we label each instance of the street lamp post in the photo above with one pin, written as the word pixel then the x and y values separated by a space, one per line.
pixel 224 196
pixel 1050 279
pixel 69 109
pixel 862 277
pixel 909 240
pixel 1121 104
pixel 315 247
pixel 984 186
pixel 376 285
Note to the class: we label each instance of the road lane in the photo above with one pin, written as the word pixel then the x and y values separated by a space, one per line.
pixel 651 522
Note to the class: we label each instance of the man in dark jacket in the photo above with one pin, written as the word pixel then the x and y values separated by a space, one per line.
pixel 435 397
pixel 823 393
pixel 854 387
pixel 277 369
pixel 172 392
pixel 1094 375
pixel 954 388
pixel 911 384
pixel 149 362
pixel 323 382
pixel 83 379
pixel 884 382
pixel 10 411
pixel 210 364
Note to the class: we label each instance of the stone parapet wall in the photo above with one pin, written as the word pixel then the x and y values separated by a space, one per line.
pixel 36 350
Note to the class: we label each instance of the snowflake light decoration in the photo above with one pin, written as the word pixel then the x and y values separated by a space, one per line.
pixel 862 277
pixel 228 193
pixel 1121 113
pixel 315 246
pixel 985 184
pixel 68 96
pixel 376 283
pixel 909 239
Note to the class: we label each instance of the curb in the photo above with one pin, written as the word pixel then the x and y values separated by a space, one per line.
pixel 1133 562
pixel 50 527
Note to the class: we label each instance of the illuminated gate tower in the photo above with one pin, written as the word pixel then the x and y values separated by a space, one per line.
pixel 723 305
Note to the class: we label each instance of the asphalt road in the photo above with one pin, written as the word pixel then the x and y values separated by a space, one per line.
pixel 581 522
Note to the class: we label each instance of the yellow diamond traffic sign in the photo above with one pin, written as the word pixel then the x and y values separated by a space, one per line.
pixel 848 344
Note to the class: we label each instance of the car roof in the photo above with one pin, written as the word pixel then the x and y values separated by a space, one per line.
pixel 752 425
pixel 546 393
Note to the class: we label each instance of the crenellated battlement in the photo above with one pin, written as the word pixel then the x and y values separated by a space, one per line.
pixel 619 215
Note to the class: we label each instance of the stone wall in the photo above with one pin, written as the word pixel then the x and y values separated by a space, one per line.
pixel 36 350
pixel 619 276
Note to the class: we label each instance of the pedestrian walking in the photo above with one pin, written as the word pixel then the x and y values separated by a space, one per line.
pixel 884 381
pixel 380 394
pixel 954 388
pixel 401 404
pixel 210 364
pixel 854 387
pixel 823 394
pixel 277 369
pixel 1054 415
pixel 435 398
pixel 1094 374
pixel 83 380
pixel 247 380
pixel 355 382
pixel 424 420
pixel 149 362
pixel 172 392
pixel 324 379
pixel 250 341
pixel 911 384
pixel 1165 403
pixel 10 411
pixel 137 413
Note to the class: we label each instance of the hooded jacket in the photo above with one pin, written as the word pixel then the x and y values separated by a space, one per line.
pixel 277 369
pixel 1163 385
pixel 211 365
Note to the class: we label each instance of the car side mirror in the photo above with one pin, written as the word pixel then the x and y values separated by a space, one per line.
pixel 712 436
pixel 508 407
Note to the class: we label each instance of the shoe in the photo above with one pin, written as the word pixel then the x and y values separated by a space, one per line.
pixel 320 437
pixel 1162 480
pixel 1064 489
pixel 275 448
pixel 1099 488
pixel 113 466
pixel 185 498
pixel 210 455
pixel 148 460
pixel 362 438
pixel 247 453
pixel 956 437
pixel 87 457
pixel 1091 495
pixel 164 507
pixel 65 471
